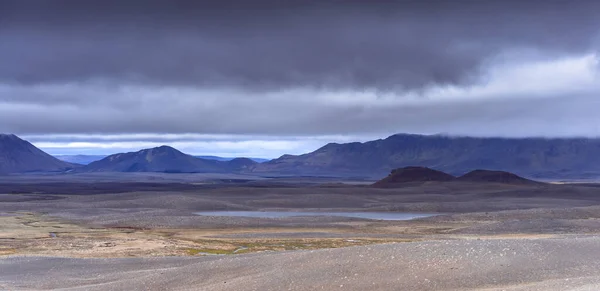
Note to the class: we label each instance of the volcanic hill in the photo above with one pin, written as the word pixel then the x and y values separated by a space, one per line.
pixel 487 176
pixel 401 176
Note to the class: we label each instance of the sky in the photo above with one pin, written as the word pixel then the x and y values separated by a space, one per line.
pixel 264 78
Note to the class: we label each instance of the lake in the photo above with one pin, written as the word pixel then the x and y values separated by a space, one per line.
pixel 284 214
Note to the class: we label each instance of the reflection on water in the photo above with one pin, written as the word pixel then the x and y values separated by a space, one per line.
pixel 283 214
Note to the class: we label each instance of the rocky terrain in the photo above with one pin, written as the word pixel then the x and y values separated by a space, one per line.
pixel 488 264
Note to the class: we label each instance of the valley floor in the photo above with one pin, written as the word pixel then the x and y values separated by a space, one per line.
pixel 145 236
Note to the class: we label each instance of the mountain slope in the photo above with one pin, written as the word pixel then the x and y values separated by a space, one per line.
pixel 19 156
pixel 165 159
pixel 537 157
pixel 240 164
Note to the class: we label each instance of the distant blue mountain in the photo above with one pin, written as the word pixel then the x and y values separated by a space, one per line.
pixel 88 159
pixel 167 160
pixel 79 159
pixel 225 159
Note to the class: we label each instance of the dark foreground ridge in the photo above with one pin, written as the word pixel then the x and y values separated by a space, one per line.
pixel 495 177
pixel 413 174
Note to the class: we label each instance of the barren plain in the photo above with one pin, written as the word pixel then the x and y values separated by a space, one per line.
pixel 140 232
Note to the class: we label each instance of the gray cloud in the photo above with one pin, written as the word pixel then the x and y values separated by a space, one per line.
pixel 276 115
pixel 269 45
pixel 298 68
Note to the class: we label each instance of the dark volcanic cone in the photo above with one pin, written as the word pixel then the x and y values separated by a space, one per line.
pixel 412 174
pixel 486 176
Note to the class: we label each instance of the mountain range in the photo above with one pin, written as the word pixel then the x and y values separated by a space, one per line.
pixel 529 157
pixel 87 159
pixel 532 157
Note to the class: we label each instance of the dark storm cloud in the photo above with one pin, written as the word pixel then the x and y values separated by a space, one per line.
pixel 287 69
pixel 270 44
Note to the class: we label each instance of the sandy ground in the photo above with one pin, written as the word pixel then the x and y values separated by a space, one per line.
pixel 34 234
pixel 145 236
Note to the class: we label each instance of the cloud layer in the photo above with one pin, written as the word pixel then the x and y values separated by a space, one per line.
pixel 299 68
pixel 281 44
pixel 537 96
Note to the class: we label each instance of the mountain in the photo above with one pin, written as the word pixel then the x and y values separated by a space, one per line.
pixel 412 174
pixel 19 156
pixel 239 164
pixel 531 157
pixel 87 159
pixel 226 159
pixel 486 176
pixel 79 159
pixel 165 159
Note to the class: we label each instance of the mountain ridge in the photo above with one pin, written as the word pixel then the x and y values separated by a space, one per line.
pixel 87 159
pixel 527 157
pixel 20 156
pixel 533 157
pixel 165 159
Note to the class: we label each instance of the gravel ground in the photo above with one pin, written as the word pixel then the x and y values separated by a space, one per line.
pixel 563 219
pixel 565 263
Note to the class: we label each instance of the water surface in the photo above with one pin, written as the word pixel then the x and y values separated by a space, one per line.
pixel 284 214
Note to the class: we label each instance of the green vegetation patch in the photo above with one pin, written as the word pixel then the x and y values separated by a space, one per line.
pixel 225 247
pixel 194 252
